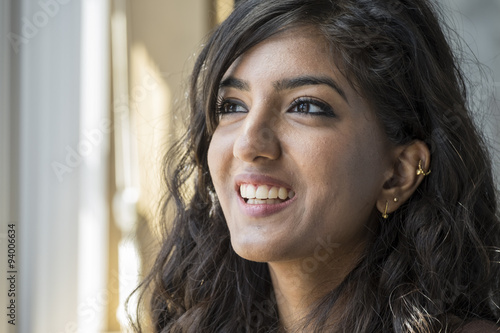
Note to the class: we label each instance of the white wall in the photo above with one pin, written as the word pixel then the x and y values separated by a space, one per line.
pixel 49 122
pixel 56 171
pixel 5 164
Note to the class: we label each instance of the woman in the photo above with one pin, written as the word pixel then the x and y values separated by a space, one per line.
pixel 331 179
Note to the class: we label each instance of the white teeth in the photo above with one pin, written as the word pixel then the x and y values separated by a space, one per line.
pixel 265 194
pixel 249 192
pixel 273 193
pixel 283 193
pixel 262 192
pixel 262 202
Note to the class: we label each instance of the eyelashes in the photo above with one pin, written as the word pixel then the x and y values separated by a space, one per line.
pixel 307 106
pixel 228 106
pixel 311 106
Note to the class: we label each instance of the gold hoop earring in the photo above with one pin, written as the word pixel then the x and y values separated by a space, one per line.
pixel 421 171
pixel 385 215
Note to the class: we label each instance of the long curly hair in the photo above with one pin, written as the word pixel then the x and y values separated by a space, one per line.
pixel 432 262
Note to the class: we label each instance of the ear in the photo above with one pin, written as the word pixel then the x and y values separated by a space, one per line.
pixel 405 177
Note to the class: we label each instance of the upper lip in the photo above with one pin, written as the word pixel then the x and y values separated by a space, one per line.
pixel 259 179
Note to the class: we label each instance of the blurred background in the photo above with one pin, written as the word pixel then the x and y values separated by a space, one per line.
pixel 87 94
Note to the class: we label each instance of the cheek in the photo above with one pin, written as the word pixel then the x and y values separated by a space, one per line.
pixel 213 162
pixel 342 166
pixel 366 167
pixel 219 153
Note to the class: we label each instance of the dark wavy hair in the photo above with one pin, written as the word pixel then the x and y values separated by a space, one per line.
pixel 435 260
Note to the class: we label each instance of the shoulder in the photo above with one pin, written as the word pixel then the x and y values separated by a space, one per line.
pixel 478 326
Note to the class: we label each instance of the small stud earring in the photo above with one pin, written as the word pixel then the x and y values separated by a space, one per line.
pixel 385 216
pixel 396 199
pixel 421 171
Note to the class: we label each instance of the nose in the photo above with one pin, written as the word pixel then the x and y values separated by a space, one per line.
pixel 258 137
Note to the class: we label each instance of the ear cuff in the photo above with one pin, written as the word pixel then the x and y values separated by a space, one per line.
pixel 421 171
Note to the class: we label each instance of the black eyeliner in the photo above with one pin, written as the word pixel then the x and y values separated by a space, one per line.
pixel 221 102
pixel 327 110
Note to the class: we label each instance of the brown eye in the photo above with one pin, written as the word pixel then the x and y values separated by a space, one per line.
pixel 309 106
pixel 230 106
pixel 303 107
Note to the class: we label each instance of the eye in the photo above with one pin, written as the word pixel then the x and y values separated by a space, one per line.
pixel 311 106
pixel 227 106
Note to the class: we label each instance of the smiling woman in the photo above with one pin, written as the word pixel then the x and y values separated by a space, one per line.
pixel 340 183
pixel 284 126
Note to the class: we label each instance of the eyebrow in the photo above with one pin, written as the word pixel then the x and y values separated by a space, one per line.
pixel 287 84
pixel 232 82
pixel 301 81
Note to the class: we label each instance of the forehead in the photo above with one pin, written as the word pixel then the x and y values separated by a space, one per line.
pixel 290 52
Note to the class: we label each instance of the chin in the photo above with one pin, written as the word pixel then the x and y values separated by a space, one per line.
pixel 251 252
pixel 258 251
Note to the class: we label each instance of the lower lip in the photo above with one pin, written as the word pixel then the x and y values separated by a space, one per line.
pixel 263 210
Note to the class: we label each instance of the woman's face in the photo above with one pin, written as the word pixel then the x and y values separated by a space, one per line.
pixel 298 159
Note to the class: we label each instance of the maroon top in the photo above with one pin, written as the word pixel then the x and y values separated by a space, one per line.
pixel 478 326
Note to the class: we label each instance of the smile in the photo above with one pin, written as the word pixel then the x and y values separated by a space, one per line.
pixel 265 194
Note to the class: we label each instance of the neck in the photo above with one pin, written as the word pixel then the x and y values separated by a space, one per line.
pixel 298 284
